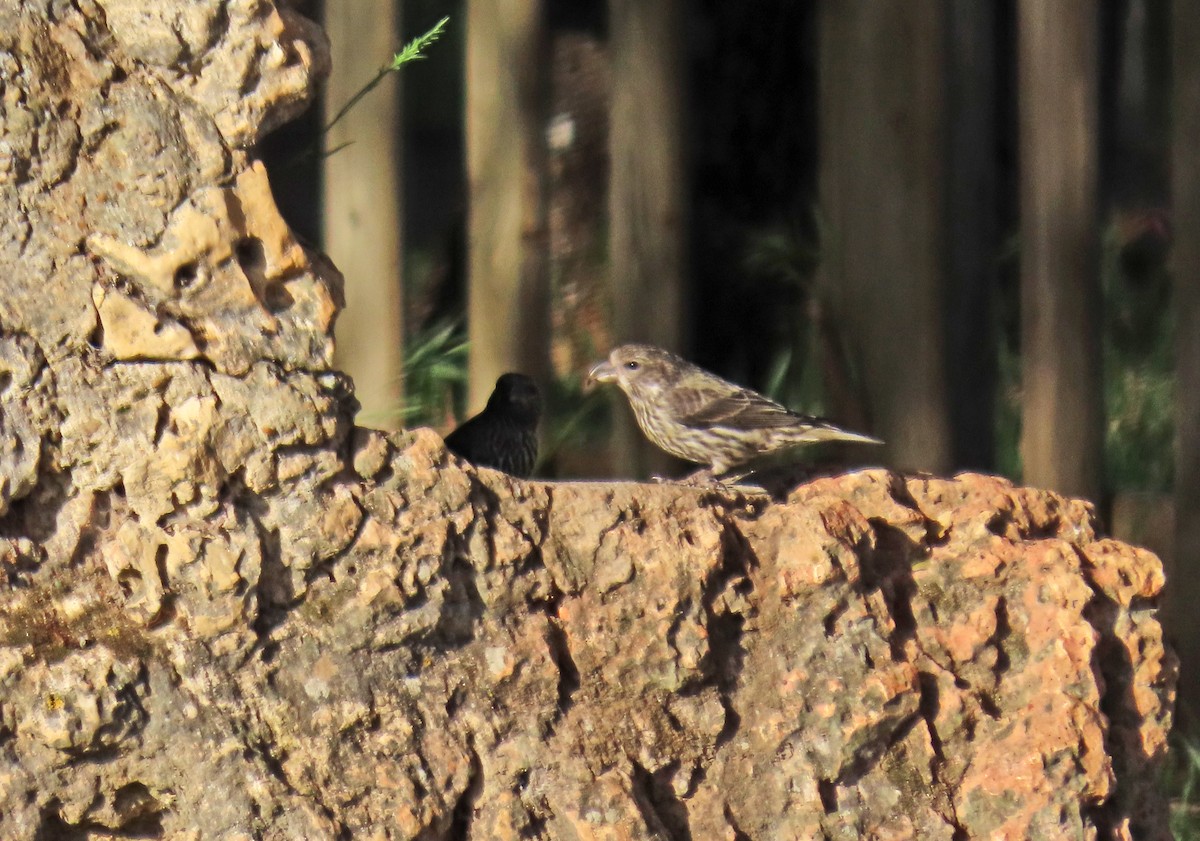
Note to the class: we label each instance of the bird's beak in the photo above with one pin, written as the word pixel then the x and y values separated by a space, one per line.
pixel 602 372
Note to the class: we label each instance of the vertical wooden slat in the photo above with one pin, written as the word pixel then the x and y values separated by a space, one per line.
pixel 1058 98
pixel 1183 579
pixel 362 204
pixel 509 280
pixel 882 186
pixel 646 187
pixel 974 242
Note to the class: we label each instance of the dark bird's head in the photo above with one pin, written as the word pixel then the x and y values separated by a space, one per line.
pixel 518 396
pixel 641 370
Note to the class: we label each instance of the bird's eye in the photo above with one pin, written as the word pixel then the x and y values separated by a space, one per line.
pixel 632 365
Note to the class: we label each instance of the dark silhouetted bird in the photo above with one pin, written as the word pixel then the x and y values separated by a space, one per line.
pixel 504 435
pixel 700 417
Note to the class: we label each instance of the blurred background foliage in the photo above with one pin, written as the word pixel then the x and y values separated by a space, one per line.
pixel 755 309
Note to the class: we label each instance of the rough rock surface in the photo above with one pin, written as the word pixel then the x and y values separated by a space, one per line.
pixel 225 613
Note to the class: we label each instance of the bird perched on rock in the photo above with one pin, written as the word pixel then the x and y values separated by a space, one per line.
pixel 504 435
pixel 700 417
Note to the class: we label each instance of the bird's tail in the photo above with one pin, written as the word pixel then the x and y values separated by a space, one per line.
pixel 832 433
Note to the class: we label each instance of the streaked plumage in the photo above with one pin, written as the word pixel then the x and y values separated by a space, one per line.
pixel 504 435
pixel 700 417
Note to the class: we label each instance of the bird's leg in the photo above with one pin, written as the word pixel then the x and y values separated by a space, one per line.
pixel 734 487
pixel 704 476
pixel 699 478
pixel 720 479
pixel 713 479
pixel 731 479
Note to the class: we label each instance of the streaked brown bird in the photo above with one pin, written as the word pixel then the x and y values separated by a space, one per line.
pixel 700 417
pixel 504 435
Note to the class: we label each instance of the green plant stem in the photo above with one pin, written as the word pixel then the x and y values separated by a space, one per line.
pixel 412 52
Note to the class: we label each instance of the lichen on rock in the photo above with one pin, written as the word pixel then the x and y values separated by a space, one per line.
pixel 226 613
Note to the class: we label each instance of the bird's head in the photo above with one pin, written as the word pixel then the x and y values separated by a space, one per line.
pixel 639 369
pixel 517 394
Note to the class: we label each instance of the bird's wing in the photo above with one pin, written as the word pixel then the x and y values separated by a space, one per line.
pixel 704 404
pixel 463 439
